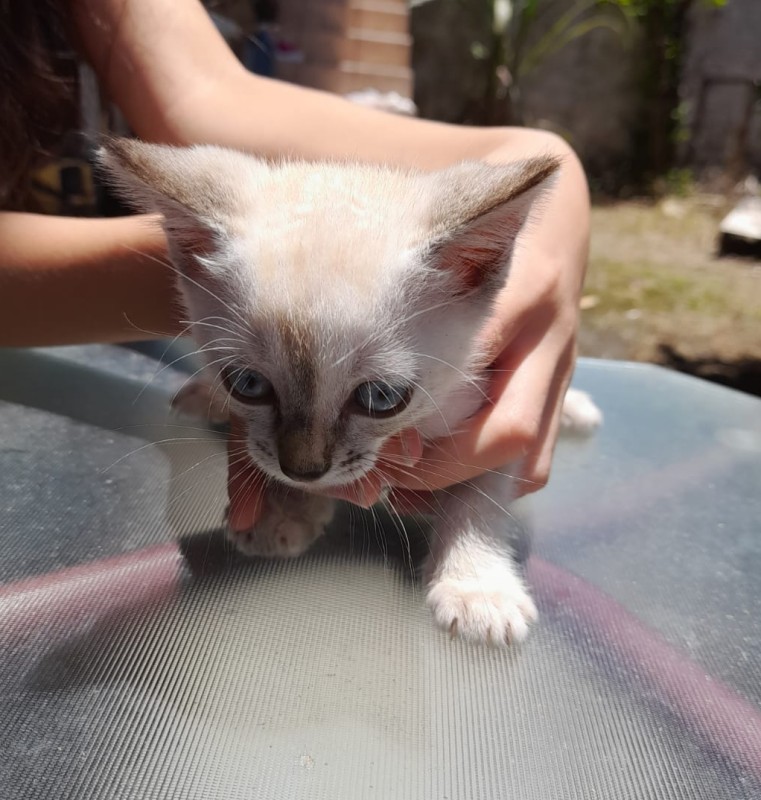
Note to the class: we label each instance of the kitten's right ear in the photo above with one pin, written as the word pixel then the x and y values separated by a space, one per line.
pixel 479 212
pixel 179 183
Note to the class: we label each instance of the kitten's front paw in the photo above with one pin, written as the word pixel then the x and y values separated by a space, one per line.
pixel 288 527
pixel 494 610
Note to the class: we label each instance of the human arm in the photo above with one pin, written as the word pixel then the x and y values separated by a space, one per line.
pixel 174 78
pixel 67 281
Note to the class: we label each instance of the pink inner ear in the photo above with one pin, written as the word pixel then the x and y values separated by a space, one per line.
pixel 482 249
pixel 472 262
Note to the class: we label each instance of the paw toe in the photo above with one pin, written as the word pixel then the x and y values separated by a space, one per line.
pixel 495 617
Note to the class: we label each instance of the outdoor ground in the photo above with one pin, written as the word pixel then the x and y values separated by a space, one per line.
pixel 656 291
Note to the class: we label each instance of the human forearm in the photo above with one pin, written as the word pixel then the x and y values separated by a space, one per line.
pixel 171 73
pixel 65 281
pixel 151 55
pixel 314 125
pixel 274 119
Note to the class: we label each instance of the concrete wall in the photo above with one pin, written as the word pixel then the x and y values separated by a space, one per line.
pixel 723 62
pixel 589 92
pixel 586 91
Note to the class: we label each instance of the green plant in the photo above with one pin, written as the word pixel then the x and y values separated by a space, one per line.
pixel 679 181
pixel 663 28
pixel 522 35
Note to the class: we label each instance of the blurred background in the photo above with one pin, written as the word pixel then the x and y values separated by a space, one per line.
pixel 661 99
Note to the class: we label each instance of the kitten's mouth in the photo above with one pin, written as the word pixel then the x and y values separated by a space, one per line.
pixel 361 478
pixel 333 485
pixel 360 486
pixel 334 480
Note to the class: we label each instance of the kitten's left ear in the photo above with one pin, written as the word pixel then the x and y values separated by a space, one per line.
pixel 191 187
pixel 479 212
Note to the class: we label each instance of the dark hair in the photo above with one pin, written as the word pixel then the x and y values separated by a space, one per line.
pixel 266 11
pixel 38 82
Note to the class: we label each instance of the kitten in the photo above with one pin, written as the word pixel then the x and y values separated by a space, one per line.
pixel 338 305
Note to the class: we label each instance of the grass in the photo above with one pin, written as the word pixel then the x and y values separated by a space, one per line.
pixel 622 286
pixel 654 280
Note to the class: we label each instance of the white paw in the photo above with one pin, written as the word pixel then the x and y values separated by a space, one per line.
pixel 289 525
pixel 580 414
pixel 494 610
pixel 200 399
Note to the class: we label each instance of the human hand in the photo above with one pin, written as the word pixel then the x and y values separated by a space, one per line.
pixel 245 482
pixel 532 337
pixel 532 340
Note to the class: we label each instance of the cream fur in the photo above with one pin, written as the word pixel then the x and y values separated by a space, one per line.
pixel 322 277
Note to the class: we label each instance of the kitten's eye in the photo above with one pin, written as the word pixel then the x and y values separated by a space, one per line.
pixel 248 385
pixel 380 399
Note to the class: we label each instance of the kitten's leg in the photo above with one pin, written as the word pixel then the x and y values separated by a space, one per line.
pixel 474 586
pixel 291 521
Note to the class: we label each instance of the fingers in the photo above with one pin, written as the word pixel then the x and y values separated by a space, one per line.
pixel 535 471
pixel 406 501
pixel 520 426
pixel 244 481
pixel 364 493
pixel 405 448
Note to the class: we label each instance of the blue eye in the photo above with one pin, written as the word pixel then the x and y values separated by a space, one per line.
pixel 248 385
pixel 381 399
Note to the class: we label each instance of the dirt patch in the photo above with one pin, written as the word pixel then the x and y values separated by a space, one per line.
pixel 657 291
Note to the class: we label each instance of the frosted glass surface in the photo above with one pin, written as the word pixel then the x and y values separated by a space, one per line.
pixel 140 658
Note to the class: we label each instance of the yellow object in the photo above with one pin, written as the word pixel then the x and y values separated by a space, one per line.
pixel 64 186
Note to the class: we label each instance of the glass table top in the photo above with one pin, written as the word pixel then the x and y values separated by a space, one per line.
pixel 141 658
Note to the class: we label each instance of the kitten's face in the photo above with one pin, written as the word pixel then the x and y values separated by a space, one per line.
pixel 338 305
pixel 323 381
pixel 336 337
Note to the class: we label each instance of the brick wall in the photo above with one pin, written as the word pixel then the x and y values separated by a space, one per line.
pixel 349 45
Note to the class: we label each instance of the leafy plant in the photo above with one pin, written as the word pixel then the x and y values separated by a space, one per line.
pixel 663 25
pixel 523 34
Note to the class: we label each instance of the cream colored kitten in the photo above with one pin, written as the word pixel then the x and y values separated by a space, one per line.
pixel 338 305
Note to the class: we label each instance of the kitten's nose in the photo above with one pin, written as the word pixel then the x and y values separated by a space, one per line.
pixel 303 450
pixel 305 472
